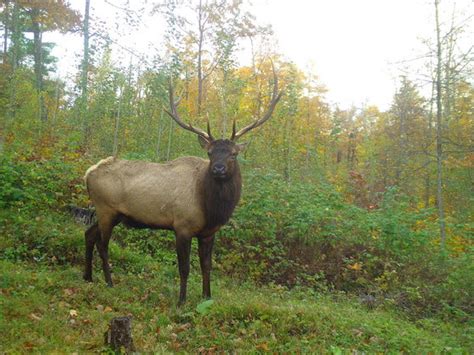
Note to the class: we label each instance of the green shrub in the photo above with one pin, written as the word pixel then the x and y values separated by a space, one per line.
pixel 306 234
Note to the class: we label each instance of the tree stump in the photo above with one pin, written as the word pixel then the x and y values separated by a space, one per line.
pixel 119 334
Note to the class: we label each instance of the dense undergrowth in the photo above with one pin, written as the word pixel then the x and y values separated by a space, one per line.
pixel 298 236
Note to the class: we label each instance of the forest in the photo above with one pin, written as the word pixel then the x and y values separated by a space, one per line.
pixel 355 229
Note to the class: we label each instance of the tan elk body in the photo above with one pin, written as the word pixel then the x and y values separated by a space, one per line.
pixel 164 196
pixel 193 197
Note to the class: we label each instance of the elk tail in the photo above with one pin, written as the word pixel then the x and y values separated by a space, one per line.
pixel 85 216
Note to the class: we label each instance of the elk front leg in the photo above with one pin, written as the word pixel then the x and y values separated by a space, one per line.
pixel 205 259
pixel 183 249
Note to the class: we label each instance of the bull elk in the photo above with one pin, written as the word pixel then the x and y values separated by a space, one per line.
pixel 190 196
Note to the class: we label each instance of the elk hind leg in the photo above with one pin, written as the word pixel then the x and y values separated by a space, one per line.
pixel 92 235
pixel 106 224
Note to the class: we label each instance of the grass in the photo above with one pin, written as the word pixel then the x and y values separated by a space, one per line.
pixel 50 309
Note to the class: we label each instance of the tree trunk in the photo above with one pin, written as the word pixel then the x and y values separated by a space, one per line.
pixel 15 39
pixel 160 133
pixel 287 150
pixel 258 108
pixel 117 124
pixel 439 147
pixel 449 76
pixel 56 100
pixel 38 57
pixel 119 335
pixel 199 64
pixel 170 138
pixel 427 190
pixel 85 69
pixel 427 148
pixel 224 104
pixel 308 139
pixel 5 33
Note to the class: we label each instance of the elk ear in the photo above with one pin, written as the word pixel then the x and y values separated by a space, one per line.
pixel 241 146
pixel 203 142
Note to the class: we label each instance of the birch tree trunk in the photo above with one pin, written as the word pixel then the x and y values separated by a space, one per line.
pixel 439 146
pixel 85 69
pixel 117 124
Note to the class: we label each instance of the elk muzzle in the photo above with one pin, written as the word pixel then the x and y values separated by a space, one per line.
pixel 219 171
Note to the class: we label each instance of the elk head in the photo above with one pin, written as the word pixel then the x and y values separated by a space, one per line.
pixel 223 152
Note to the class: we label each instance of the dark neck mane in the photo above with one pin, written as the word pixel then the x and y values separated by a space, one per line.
pixel 220 198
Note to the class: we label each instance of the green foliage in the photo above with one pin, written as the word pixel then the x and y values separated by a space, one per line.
pixel 33 184
pixel 33 195
pixel 305 234
pixel 10 180
pixel 204 307
pixel 54 311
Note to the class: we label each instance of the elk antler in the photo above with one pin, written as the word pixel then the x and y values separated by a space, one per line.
pixel 174 115
pixel 275 98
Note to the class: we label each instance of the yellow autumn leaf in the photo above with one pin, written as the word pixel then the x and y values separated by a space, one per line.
pixel 263 347
pixel 355 266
